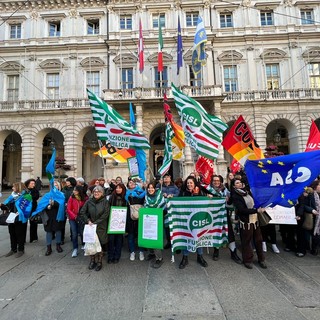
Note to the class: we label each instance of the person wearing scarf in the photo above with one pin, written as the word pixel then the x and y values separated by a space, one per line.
pixel 96 211
pixel 249 225
pixel 154 199
pixel 55 222
pixel 217 189
pixel 74 204
pixel 115 241
pixel 134 195
pixel 191 188
pixel 312 205
pixel 17 230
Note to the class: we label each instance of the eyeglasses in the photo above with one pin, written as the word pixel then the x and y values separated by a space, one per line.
pixel 96 191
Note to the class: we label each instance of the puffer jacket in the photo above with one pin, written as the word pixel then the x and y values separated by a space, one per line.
pixel 97 211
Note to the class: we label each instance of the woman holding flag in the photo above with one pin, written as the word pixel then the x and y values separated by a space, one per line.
pixel 191 188
pixel 17 230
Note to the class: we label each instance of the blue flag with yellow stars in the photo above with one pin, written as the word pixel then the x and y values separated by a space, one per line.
pixel 281 180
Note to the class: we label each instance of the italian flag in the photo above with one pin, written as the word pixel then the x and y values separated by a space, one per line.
pixel 160 47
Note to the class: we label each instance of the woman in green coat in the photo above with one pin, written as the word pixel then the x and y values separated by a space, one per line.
pixel 96 211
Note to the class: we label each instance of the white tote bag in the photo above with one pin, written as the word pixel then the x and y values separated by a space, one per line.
pixel 11 217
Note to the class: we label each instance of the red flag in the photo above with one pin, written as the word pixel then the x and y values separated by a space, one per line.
pixel 140 49
pixel 314 138
pixel 206 168
pixel 235 166
pixel 240 143
pixel 160 46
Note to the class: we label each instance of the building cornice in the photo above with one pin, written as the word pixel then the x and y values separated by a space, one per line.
pixel 11 6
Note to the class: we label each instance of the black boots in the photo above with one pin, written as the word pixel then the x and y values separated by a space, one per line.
pixel 49 250
pixel 235 257
pixel 215 255
pixel 99 261
pixel 183 262
pixel 201 261
pixel 92 263
pixel 58 247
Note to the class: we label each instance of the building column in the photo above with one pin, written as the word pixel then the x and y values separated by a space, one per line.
pixel 1 161
pixel 139 117
pixel 188 164
pixel 27 154
pixel 220 162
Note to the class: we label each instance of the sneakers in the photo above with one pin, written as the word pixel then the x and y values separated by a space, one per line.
pixel 74 253
pixel 10 253
pixel 275 248
pixel 141 256
pixel 132 256
pixel 300 254
pixel 264 247
pixel 157 264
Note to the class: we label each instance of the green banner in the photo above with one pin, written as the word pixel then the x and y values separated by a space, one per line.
pixel 150 228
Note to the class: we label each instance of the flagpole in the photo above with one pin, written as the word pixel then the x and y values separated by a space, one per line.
pixel 102 159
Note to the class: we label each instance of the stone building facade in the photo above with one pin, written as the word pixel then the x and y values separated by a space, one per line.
pixel 263 60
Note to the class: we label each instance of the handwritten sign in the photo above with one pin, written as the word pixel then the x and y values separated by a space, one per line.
pixel 282 215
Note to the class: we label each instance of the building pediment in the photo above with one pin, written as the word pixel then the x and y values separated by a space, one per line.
pixel 229 56
pixel 273 54
pixel 11 66
pixel 92 62
pixel 126 59
pixel 312 54
pixel 153 58
pixel 51 64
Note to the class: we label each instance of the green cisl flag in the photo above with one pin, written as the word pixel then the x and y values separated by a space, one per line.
pixel 196 222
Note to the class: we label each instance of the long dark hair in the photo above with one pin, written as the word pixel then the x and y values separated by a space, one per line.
pixel 81 192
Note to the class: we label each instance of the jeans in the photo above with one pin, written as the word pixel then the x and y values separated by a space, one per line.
pixel 199 251
pixel 74 226
pixel 131 243
pixel 49 237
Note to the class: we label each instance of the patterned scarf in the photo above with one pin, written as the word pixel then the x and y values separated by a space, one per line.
pixel 154 201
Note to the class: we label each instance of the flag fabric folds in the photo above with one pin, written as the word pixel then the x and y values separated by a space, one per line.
pixel 51 168
pixel 160 47
pixel 203 132
pixel 23 204
pixel 281 180
pixel 240 143
pixel 139 152
pixel 196 222
pixel 110 126
pixel 179 48
pixel 119 155
pixel 54 194
pixel 205 167
pixel 167 160
pixel 198 54
pixel 314 138
pixel 141 49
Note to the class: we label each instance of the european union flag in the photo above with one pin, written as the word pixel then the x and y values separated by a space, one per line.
pixel 281 180
pixel 198 54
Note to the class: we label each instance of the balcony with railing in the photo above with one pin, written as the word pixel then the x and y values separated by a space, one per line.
pixel 146 95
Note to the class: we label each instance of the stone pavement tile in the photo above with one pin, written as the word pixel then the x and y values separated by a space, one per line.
pixel 292 280
pixel 248 294
pixel 310 313
pixel 172 293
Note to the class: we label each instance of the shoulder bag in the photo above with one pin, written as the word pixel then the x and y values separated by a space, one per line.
pixel 263 218
pixel 308 221
pixel 3 217
pixel 134 211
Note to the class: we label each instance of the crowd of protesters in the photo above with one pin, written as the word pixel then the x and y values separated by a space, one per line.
pixel 90 203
